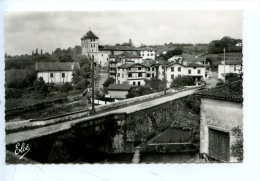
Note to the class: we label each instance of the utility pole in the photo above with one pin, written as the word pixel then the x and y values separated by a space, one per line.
pixel 93 84
pixel 224 66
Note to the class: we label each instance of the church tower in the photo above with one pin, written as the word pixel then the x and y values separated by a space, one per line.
pixel 89 43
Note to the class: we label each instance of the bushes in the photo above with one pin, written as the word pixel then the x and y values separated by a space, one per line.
pixel 66 87
pixel 182 81
pixel 82 84
pixel 109 81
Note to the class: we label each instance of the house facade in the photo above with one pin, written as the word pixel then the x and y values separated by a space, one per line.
pixel 118 91
pixel 196 71
pixel 147 53
pixel 231 66
pixel 56 72
pixel 221 121
pixel 136 73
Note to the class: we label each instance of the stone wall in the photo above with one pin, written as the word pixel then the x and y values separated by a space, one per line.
pixel 220 114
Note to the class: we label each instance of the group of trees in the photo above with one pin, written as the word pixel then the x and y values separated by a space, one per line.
pixel 217 46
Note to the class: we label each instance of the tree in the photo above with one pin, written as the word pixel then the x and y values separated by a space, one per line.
pixel 66 87
pixel 40 87
pixel 155 84
pixel 182 81
pixel 109 81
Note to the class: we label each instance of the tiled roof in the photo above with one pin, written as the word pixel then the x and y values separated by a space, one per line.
pixel 128 65
pixel 233 62
pixel 230 91
pixel 147 49
pixel 117 48
pixel 173 63
pixel 89 34
pixel 56 66
pixel 128 55
pixel 195 65
pixel 119 87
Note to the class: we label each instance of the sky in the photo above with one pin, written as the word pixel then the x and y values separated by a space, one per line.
pixel 26 31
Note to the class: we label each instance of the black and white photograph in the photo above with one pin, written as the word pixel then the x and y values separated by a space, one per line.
pixel 116 87
pixel 149 88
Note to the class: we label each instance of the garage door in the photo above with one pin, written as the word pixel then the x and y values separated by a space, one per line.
pixel 219 144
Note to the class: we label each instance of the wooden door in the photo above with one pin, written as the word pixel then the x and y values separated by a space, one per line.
pixel 219 144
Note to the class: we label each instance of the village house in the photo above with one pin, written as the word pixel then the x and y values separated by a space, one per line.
pixel 147 53
pixel 221 121
pixel 118 91
pixel 196 71
pixel 231 66
pixel 56 72
pixel 136 73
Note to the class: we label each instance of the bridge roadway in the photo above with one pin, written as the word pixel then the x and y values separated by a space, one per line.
pixel 38 132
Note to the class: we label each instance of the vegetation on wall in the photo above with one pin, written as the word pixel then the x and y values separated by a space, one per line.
pixel 237 148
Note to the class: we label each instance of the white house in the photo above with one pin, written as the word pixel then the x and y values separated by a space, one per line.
pixel 136 73
pixel 147 53
pixel 196 71
pixel 231 66
pixel 56 72
pixel 118 91
pixel 221 121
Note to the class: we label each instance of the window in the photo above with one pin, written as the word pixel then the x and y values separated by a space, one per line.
pixel 129 75
pixel 102 55
pixel 139 83
pixel 122 75
pixel 147 54
pixel 148 75
pixel 129 68
pixel 194 67
pixel 139 68
pixel 151 54
pixel 172 69
pixel 51 75
pixel 189 71
pixel 91 45
pixel 179 69
pixel 142 54
pixel 207 68
pixel 152 75
pixel 198 71
pixel 153 69
pixel 172 76
pixel 92 50
pixel 235 69
pixel 63 75
pixel 139 74
pixel 206 75
pixel 118 75
pixel 133 83
pixel 148 69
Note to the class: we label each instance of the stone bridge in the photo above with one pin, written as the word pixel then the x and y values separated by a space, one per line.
pixel 115 131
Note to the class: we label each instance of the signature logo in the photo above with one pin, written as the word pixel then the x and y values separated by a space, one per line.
pixel 22 149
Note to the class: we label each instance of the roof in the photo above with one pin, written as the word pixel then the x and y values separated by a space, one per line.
pixel 174 63
pixel 119 87
pixel 117 48
pixel 195 65
pixel 147 49
pixel 231 92
pixel 128 65
pixel 56 66
pixel 129 55
pixel 89 34
pixel 233 62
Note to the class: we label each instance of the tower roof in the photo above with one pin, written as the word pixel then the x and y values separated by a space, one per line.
pixel 89 34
